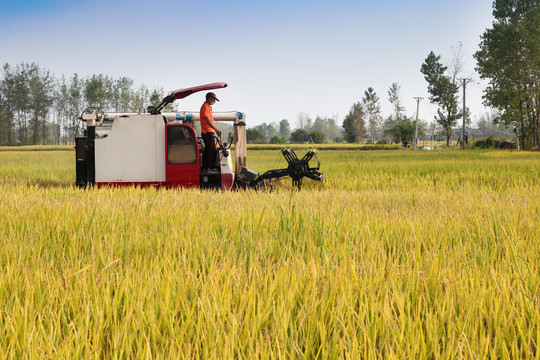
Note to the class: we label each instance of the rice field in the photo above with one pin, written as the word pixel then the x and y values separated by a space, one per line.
pixel 398 255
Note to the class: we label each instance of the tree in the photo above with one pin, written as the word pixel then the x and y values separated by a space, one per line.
pixel 299 136
pixel 268 130
pixel 354 124
pixel 392 122
pixel 75 105
pixel 277 140
pixel 320 124
pixel 457 63
pixel 61 99
pixel 7 125
pixel 316 136
pixel 98 91
pixel 443 92
pixel 284 129
pixel 41 97
pixel 122 94
pixel 156 97
pixel 327 126
pixel 403 130
pixel 333 129
pixel 509 57
pixel 393 98
pixel 16 99
pixel 254 136
pixel 373 111
pixel 68 105
pixel 141 98
pixel 27 97
pixel 303 121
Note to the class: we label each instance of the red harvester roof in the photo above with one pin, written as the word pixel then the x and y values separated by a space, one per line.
pixel 182 93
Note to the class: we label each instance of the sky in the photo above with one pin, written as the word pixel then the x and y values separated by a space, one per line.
pixel 279 58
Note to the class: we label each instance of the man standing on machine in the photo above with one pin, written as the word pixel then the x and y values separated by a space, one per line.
pixel 208 130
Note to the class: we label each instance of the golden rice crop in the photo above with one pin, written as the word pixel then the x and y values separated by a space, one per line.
pixel 398 254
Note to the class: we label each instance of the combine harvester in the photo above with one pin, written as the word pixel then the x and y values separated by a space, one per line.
pixel 158 149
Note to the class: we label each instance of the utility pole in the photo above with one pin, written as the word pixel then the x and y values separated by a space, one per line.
pixel 432 136
pixel 464 82
pixel 418 99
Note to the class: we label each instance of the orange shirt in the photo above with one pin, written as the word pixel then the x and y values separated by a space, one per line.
pixel 206 110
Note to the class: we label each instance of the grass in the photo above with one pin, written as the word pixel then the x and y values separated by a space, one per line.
pixel 397 255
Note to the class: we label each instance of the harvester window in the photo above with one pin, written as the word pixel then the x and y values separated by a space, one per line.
pixel 181 145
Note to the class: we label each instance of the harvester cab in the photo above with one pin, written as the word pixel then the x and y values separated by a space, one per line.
pixel 158 149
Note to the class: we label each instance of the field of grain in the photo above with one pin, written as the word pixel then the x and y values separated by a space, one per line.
pixel 399 254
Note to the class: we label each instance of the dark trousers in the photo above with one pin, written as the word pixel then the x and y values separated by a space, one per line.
pixel 209 158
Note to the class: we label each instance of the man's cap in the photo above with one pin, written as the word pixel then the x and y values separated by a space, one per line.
pixel 211 95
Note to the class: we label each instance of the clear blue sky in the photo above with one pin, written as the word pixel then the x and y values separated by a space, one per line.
pixel 279 58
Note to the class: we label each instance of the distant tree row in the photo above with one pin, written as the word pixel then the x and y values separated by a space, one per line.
pixel 37 108
pixel 364 120
pixel 363 123
pixel 275 133
pixel 323 129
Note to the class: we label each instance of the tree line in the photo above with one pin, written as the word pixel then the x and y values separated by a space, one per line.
pixel 364 120
pixel 322 129
pixel 37 108
pixel 363 123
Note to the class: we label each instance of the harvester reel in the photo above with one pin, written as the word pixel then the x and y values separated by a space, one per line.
pixel 296 170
